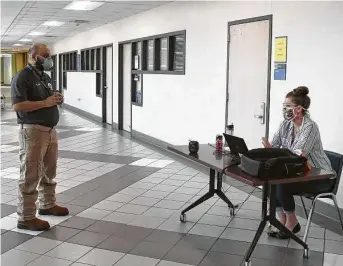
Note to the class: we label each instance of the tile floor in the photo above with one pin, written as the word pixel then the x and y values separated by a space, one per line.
pixel 125 201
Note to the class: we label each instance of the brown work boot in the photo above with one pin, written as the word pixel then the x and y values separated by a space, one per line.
pixel 55 211
pixel 34 225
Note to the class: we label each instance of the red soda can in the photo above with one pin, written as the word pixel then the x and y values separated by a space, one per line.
pixel 219 142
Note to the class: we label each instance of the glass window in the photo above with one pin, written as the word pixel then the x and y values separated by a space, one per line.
pixel 179 57
pixel 164 54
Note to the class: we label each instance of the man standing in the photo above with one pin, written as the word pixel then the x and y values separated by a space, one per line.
pixel 37 114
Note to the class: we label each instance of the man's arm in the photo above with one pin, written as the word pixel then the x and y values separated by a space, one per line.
pixel 28 106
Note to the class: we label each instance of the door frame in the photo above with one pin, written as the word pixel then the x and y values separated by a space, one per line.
pixel 121 86
pixel 246 21
pixel 104 76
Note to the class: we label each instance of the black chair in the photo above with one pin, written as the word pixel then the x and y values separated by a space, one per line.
pixel 336 160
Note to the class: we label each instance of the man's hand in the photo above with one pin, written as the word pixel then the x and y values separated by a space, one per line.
pixel 61 97
pixel 52 101
pixel 266 143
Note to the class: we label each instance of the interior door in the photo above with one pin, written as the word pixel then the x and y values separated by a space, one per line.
pixel 108 87
pixel 248 80
pixel 127 54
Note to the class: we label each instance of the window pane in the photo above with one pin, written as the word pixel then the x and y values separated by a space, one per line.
pixel 92 67
pixel 64 79
pixel 64 62
pixel 71 58
pixel 98 84
pixel 75 61
pixel 87 59
pixel 98 59
pixel 83 62
pixel 139 90
pixel 164 54
pixel 179 57
pixel 150 55
pixel 139 52
pixel 68 62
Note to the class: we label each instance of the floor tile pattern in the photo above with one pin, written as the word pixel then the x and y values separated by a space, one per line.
pixel 125 201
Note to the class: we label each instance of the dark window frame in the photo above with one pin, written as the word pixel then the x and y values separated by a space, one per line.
pixel 144 64
pixel 92 59
pixel 67 62
pixel 157 52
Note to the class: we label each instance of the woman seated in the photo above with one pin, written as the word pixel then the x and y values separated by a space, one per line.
pixel 299 134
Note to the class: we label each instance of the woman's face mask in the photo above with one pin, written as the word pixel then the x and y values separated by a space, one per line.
pixel 288 113
pixel 45 63
pixel 291 111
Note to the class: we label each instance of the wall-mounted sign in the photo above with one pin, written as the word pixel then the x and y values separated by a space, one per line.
pixel 280 71
pixel 280 50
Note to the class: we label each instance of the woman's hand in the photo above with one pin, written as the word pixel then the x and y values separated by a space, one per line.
pixel 266 143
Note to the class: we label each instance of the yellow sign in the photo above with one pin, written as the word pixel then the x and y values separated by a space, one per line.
pixel 280 50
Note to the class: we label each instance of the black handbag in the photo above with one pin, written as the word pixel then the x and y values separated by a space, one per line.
pixel 273 163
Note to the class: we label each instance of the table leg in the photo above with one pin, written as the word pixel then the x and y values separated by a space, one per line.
pixel 261 227
pixel 203 198
pixel 280 226
pixel 221 194
pixel 254 242
pixel 210 194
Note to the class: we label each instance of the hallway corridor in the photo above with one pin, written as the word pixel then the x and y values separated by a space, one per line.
pixel 125 201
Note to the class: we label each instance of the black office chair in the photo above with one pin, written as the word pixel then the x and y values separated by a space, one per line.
pixel 336 160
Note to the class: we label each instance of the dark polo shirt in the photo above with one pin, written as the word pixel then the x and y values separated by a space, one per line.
pixel 30 85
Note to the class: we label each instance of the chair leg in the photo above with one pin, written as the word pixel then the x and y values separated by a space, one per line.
pixel 338 211
pixel 309 219
pixel 303 203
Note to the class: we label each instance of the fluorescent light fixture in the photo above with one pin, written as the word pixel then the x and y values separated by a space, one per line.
pixel 36 33
pixel 83 5
pixel 53 23
pixel 25 40
pixel 17 44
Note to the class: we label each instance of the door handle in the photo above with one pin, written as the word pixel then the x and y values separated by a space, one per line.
pixel 263 115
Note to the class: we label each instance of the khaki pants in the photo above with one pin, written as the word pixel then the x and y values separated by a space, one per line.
pixel 38 162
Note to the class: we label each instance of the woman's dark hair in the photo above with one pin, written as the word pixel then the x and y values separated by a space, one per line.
pixel 300 97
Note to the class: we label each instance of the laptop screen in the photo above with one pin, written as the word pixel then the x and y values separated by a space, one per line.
pixel 237 145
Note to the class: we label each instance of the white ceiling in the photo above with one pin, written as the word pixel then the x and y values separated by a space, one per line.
pixel 18 18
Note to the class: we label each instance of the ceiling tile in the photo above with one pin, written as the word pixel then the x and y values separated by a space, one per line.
pixel 18 18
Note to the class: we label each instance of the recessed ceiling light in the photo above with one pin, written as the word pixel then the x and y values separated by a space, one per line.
pixel 53 23
pixel 25 40
pixel 83 5
pixel 36 33
pixel 17 44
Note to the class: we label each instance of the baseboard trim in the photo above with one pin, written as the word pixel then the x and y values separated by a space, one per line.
pixel 82 113
pixel 149 139
pixel 162 147
pixel 115 126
